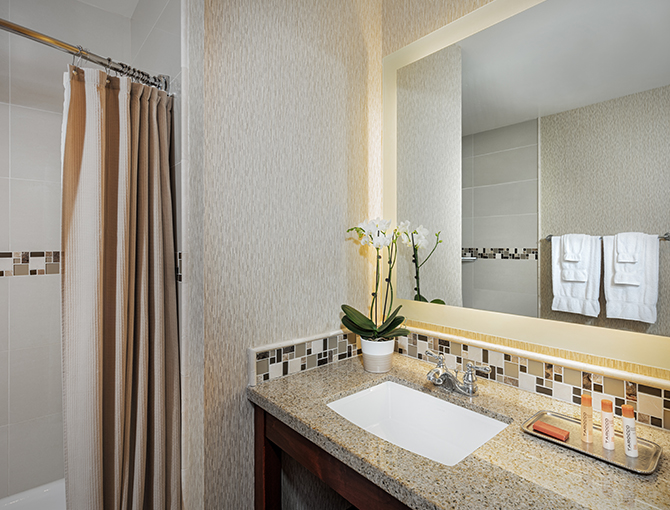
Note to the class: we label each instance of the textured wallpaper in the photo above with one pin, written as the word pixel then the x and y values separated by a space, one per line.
pixel 292 159
pixel 429 171
pixel 406 21
pixel 604 170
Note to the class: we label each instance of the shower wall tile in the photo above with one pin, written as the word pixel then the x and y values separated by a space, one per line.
pixel 512 198
pixel 467 203
pixel 467 235
pixel 36 452
pixel 35 139
pixel 37 70
pixel 34 308
pixel 4 138
pixel 34 383
pixel 4 214
pixel 159 54
pixel 505 231
pixel 4 55
pixel 518 164
pixel 145 17
pixel 35 214
pixel 518 276
pixel 4 389
pixel 160 51
pixel 514 303
pixel 4 466
pixel 467 272
pixel 4 315
pixel 37 74
pixel 508 137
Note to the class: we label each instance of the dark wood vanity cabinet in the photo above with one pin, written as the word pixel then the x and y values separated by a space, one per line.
pixel 274 439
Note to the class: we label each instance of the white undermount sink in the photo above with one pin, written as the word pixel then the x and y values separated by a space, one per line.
pixel 420 423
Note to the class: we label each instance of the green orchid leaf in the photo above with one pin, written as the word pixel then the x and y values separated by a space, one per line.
pixel 419 297
pixel 438 302
pixel 358 318
pixel 394 324
pixel 390 318
pixel 351 326
pixel 397 333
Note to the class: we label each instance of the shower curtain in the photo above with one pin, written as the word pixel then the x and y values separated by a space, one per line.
pixel 121 404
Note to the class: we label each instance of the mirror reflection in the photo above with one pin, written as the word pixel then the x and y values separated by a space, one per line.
pixel 564 128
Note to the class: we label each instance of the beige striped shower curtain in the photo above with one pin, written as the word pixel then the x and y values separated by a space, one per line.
pixel 121 403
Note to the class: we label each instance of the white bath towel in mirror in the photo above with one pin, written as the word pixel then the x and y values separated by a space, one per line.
pixel 576 283
pixel 631 288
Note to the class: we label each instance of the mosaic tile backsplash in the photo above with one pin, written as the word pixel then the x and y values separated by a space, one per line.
pixel 500 253
pixel 29 263
pixel 304 356
pixel 652 405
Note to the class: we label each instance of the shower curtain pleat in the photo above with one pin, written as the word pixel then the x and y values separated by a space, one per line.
pixel 120 336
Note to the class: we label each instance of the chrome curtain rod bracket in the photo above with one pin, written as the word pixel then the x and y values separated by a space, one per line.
pixel 161 81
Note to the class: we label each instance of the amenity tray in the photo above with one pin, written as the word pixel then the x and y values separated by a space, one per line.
pixel 645 463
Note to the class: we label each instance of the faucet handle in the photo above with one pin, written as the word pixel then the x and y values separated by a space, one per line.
pixel 438 357
pixel 471 372
pixel 471 367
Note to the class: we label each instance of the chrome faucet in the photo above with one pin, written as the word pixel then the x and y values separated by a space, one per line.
pixel 441 375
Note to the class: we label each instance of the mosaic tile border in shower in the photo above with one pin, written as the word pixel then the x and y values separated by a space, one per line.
pixel 652 405
pixel 501 253
pixel 178 266
pixel 29 263
pixel 302 355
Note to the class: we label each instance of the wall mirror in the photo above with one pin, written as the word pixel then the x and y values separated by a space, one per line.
pixel 563 129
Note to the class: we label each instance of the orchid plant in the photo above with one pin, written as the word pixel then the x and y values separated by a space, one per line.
pixel 382 324
pixel 418 241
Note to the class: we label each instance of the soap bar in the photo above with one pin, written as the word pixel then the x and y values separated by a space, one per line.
pixel 550 430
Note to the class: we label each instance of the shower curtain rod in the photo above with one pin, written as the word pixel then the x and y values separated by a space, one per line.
pixel 161 81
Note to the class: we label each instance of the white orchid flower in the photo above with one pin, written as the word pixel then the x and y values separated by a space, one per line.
pixel 421 237
pixel 403 228
pixel 381 240
pixel 380 224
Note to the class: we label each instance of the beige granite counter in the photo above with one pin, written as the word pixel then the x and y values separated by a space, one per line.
pixel 513 470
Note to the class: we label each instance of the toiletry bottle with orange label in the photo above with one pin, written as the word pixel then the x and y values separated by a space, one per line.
pixel 587 418
pixel 629 434
pixel 607 424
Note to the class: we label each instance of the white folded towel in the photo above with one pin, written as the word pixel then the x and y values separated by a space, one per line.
pixel 576 283
pixel 628 246
pixel 573 244
pixel 631 288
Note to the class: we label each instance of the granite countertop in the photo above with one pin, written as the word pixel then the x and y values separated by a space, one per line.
pixel 513 470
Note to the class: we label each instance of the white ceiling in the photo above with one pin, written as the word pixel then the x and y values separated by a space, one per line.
pixel 563 54
pixel 123 7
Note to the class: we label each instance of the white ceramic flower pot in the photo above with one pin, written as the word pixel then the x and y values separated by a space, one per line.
pixel 377 355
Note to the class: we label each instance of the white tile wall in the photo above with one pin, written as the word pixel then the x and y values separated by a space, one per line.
pixel 4 314
pixel 4 388
pixel 4 466
pixel 36 452
pixel 34 383
pixel 500 211
pixel 4 139
pixel 35 140
pixel 35 215
pixel 4 214
pixel 159 52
